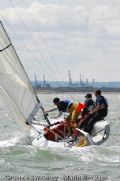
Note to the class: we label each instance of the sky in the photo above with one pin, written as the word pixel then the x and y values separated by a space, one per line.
pixel 54 37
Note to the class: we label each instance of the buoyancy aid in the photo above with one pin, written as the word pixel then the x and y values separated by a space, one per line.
pixel 64 105
pixel 79 107
pixel 89 104
pixel 104 106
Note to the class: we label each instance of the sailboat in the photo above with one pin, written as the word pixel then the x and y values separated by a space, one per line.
pixel 17 88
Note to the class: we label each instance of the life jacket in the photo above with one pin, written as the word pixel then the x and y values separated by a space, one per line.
pixel 103 111
pixel 79 107
pixel 68 102
pixel 64 105
pixel 89 104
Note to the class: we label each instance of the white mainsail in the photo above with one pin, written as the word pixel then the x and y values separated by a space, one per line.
pixel 14 80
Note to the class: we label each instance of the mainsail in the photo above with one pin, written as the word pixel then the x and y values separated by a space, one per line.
pixel 14 80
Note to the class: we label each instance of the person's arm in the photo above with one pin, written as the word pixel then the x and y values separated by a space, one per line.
pixel 98 107
pixel 51 110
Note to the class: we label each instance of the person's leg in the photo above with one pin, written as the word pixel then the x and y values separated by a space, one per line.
pixel 73 117
pixel 89 126
pixel 73 120
pixel 85 121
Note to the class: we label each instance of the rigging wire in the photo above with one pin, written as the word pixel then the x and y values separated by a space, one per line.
pixel 28 49
pixel 27 30
pixel 35 44
pixel 6 54
pixel 43 40
pixel 45 44
pixel 34 41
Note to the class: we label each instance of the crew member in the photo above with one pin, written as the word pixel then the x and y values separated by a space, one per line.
pixel 89 105
pixel 73 110
pixel 98 113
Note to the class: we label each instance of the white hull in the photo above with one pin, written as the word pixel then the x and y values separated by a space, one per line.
pixel 100 134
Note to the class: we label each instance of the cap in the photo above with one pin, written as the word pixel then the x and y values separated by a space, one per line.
pixel 56 100
pixel 88 96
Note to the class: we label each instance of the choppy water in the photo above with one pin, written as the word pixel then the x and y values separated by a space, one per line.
pixel 19 161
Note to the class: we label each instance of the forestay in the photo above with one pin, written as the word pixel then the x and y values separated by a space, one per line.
pixel 14 80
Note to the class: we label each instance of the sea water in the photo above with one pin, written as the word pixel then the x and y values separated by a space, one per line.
pixel 21 161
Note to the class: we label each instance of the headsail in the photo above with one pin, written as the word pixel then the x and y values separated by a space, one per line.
pixel 14 80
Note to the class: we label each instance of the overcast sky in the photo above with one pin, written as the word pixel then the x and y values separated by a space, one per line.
pixel 53 37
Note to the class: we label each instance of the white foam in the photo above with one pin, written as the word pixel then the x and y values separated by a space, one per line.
pixel 18 140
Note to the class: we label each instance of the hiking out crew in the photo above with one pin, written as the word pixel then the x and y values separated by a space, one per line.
pixel 89 106
pixel 98 113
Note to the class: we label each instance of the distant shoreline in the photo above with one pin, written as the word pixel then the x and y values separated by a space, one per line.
pixel 58 90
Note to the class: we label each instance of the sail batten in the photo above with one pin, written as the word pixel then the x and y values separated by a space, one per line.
pixel 14 80
pixel 5 47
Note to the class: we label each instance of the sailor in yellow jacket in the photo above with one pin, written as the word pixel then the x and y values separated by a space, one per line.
pixel 73 110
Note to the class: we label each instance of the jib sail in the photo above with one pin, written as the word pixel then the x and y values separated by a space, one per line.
pixel 14 80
